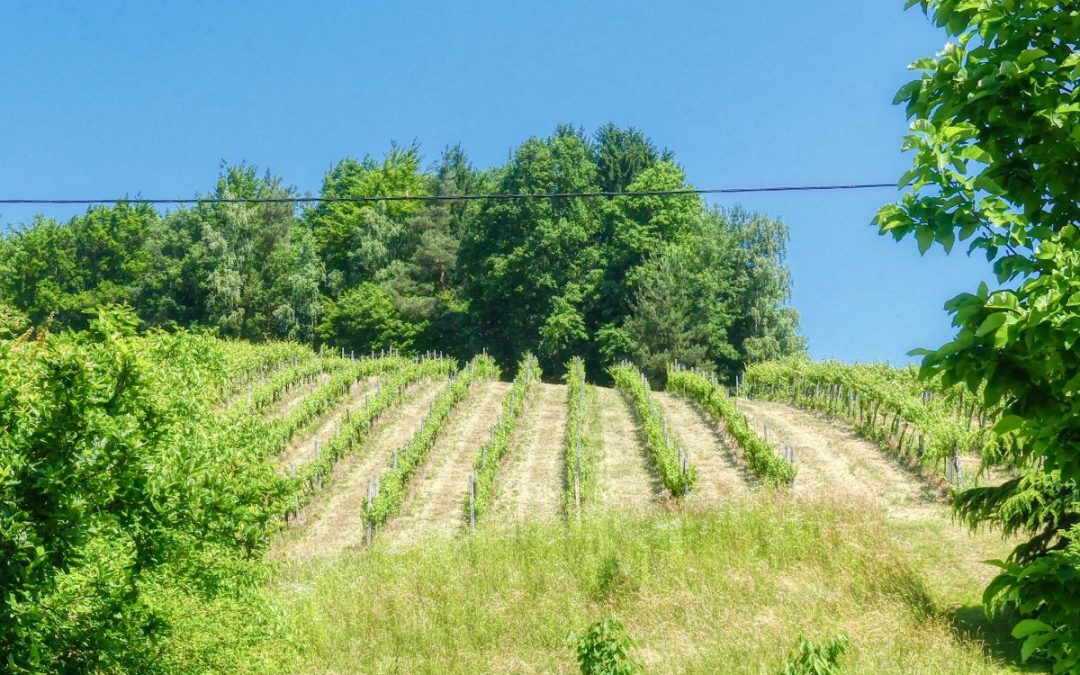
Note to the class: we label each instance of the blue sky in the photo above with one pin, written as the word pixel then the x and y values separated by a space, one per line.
pixel 113 98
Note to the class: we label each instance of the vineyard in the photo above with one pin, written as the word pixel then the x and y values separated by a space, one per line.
pixel 257 462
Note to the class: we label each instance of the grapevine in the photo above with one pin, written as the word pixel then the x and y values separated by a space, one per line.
pixel 676 471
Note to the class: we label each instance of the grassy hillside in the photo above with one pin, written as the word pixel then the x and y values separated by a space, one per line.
pixel 312 514
pixel 726 589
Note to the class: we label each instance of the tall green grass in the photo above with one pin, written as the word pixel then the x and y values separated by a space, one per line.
pixel 726 590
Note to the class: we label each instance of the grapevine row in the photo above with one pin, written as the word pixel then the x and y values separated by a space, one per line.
pixel 387 493
pixel 482 480
pixel 676 471
pixel 580 448
pixel 757 454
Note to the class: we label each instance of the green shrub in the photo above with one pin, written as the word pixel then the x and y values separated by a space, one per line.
pixel 809 658
pixel 604 649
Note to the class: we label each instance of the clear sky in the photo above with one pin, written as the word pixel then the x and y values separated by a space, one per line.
pixel 146 98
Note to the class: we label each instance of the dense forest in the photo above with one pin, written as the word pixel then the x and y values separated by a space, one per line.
pixel 651 278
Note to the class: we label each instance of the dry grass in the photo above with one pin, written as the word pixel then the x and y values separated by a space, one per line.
pixel 530 484
pixel 723 590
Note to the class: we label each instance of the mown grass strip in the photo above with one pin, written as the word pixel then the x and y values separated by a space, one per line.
pixel 758 455
pixel 677 473
pixel 486 464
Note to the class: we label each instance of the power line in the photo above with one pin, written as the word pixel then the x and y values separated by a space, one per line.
pixel 459 198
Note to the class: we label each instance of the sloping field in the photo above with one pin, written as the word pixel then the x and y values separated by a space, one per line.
pixel 626 478
pixel 832 461
pixel 858 544
pixel 719 478
pixel 434 504
pixel 335 521
pixel 532 480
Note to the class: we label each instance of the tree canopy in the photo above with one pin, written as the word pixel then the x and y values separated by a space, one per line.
pixel 995 135
pixel 559 277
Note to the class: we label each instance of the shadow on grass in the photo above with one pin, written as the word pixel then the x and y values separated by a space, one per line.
pixel 994 634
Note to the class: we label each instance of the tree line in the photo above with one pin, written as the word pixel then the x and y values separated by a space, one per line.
pixel 651 278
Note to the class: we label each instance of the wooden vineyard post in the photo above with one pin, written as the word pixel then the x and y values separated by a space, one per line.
pixel 686 473
pixel 953 470
pixel 370 503
pixel 472 501
pixel 577 471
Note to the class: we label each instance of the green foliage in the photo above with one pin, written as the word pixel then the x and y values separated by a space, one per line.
pixel 995 143
pixel 604 649
pixel 758 455
pixel 715 297
pixel 392 483
pixel 365 317
pixel 65 270
pixel 357 239
pixel 613 580
pixel 12 322
pixel 810 658
pixel 1048 588
pixel 491 452
pixel 652 278
pixel 621 155
pixel 664 327
pixel 665 449
pixel 530 265
pixel 580 431
pixel 115 477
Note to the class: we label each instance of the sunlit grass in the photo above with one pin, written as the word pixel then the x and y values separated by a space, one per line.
pixel 726 590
